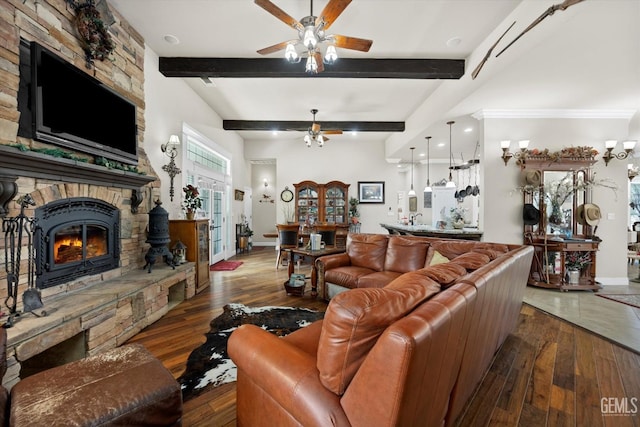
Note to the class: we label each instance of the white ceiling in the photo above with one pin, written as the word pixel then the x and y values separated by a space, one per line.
pixel 586 57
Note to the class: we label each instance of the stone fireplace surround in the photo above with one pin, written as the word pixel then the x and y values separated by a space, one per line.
pixel 103 310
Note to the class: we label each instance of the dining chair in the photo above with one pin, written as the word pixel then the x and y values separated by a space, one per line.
pixel 328 233
pixel 287 239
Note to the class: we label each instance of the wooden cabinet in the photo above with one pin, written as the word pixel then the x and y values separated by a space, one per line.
pixel 194 234
pixel 555 192
pixel 322 203
pixel 549 267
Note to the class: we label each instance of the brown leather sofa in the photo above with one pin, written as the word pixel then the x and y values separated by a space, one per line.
pixel 408 353
pixel 124 386
pixel 374 260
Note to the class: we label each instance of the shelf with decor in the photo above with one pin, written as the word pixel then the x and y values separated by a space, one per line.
pixel 321 203
pixel 559 218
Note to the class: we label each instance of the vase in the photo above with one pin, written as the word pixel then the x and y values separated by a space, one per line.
pixel 458 224
pixel 191 214
pixel 556 214
pixel 574 276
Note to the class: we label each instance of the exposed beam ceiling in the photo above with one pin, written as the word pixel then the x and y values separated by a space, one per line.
pixel 280 125
pixel 344 68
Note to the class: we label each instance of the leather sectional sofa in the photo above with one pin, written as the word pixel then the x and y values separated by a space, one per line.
pixel 407 352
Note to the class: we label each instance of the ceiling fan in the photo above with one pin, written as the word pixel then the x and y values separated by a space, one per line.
pixel 315 134
pixel 313 43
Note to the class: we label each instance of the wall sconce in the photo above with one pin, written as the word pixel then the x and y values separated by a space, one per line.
pixel 507 155
pixel 611 144
pixel 266 198
pixel 170 149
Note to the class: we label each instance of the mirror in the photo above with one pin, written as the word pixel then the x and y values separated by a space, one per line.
pixel 559 202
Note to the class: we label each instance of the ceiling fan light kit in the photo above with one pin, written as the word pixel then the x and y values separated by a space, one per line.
pixel 313 43
pixel 313 132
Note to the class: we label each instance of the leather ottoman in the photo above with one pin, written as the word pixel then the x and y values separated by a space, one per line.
pixel 124 386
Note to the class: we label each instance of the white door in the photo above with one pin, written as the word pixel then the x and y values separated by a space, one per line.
pixel 216 225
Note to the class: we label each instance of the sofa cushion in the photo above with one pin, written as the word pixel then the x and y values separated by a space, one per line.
pixel 471 260
pixel 405 254
pixel 347 276
pixel 445 274
pixel 367 250
pixel 354 320
pixel 491 253
pixel 438 258
pixel 378 279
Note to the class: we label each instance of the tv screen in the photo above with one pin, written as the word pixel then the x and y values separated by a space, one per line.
pixel 74 110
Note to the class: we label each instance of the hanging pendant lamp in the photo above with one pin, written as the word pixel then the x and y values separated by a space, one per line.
pixel 412 192
pixel 450 183
pixel 428 189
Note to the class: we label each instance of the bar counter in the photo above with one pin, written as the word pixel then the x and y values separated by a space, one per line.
pixel 429 231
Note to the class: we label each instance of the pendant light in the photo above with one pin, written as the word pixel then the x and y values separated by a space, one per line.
pixel 428 189
pixel 450 183
pixel 412 192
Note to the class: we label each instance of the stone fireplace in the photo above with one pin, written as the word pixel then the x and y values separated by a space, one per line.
pixel 92 218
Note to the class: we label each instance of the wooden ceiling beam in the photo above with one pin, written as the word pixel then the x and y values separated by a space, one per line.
pixel 343 68
pixel 284 125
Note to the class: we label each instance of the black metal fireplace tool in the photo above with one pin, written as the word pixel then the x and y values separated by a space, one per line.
pixel 15 230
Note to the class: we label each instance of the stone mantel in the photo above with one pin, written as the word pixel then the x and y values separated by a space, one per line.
pixel 36 165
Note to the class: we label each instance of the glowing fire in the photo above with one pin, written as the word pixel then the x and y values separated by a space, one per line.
pixel 69 248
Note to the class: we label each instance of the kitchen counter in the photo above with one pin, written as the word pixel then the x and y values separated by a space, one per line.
pixel 429 231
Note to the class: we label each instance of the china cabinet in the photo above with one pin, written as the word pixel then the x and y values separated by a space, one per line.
pixel 321 203
pixel 555 192
pixel 194 234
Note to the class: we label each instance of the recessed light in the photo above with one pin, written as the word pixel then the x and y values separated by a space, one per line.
pixel 453 42
pixel 171 39
pixel 441 144
pixel 467 130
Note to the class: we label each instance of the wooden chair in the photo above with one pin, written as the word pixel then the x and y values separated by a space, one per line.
pixel 287 239
pixel 328 232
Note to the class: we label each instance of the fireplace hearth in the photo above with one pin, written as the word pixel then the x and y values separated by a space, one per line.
pixel 75 237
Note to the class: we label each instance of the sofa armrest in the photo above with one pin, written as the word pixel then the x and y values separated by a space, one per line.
pixel 285 373
pixel 328 262
pixel 333 261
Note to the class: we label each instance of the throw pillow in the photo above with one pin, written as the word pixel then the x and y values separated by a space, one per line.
pixel 438 258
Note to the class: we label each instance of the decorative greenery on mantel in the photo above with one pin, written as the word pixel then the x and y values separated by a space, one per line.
pixel 100 161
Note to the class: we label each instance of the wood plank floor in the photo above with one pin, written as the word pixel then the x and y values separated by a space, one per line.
pixel 548 372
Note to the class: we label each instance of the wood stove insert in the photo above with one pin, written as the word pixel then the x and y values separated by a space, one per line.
pixel 75 237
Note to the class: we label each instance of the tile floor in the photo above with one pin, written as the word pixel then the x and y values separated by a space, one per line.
pixel 613 320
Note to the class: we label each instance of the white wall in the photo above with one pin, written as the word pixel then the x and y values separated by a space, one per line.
pixel 170 102
pixel 502 216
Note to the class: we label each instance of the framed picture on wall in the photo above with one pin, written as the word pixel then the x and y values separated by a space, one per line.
pixel 371 191
pixel 239 195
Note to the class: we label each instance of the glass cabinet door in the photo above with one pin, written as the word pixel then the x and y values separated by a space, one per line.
pixel 307 203
pixel 335 201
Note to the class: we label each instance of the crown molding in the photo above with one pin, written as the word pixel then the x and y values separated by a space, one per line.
pixel 554 114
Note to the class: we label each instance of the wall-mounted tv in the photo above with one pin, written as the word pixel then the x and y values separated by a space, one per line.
pixel 65 106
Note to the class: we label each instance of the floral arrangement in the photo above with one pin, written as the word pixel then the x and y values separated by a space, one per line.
pixel 585 153
pixel 577 260
pixel 192 199
pixel 457 214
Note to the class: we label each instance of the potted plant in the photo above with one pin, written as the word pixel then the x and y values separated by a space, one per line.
pixel 575 262
pixel 192 200
pixel 353 210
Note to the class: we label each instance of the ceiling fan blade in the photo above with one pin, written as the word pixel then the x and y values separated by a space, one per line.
pixel 332 132
pixel 279 13
pixel 354 43
pixel 274 48
pixel 331 11
pixel 318 56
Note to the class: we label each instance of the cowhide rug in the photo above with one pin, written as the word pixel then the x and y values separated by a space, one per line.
pixel 209 366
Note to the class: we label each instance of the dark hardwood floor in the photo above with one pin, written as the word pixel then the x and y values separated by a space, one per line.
pixel 548 372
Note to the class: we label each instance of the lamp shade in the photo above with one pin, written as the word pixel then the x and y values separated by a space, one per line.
pixel 174 140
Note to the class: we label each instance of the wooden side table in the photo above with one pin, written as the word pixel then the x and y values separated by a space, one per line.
pixel 312 255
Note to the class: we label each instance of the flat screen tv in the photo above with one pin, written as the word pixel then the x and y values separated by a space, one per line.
pixel 69 108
